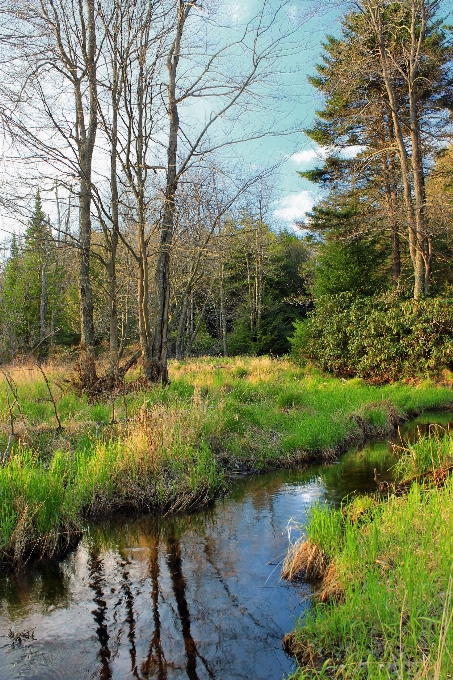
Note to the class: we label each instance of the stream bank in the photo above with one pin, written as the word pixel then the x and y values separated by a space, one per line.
pixel 383 571
pixel 169 449
pixel 197 596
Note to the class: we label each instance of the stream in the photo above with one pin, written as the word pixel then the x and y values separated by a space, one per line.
pixel 195 597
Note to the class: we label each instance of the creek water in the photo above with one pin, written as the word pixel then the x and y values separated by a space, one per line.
pixel 189 597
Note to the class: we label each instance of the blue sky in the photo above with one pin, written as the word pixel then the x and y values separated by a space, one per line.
pixel 293 196
pixel 294 99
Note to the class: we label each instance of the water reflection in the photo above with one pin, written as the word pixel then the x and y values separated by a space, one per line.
pixel 155 664
pixel 196 597
pixel 97 584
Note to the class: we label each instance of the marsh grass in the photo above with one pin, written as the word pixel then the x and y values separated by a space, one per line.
pixel 429 454
pixel 389 610
pixel 169 449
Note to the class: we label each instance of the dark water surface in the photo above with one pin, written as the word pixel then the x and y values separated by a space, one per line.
pixel 193 597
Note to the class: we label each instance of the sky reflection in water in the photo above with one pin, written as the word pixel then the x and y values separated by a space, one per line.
pixel 193 597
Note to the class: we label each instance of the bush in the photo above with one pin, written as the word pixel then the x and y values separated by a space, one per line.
pixel 381 338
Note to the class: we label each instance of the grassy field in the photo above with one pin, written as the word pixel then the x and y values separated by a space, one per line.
pixel 385 599
pixel 170 449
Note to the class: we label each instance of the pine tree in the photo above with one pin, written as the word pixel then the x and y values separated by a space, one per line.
pixel 31 288
pixel 12 299
pixel 384 108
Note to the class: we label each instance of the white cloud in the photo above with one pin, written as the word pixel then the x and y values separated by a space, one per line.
pixel 320 153
pixel 236 12
pixel 293 13
pixel 352 151
pixel 310 155
pixel 293 208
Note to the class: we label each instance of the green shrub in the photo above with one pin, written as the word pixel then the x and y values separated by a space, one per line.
pixel 381 338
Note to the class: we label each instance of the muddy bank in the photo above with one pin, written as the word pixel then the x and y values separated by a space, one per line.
pixel 166 494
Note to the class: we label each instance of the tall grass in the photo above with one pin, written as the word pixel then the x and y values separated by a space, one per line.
pixel 394 569
pixel 168 448
pixel 156 461
pixel 430 453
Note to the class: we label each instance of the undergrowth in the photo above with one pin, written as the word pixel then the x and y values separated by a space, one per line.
pixel 170 449
pixel 390 614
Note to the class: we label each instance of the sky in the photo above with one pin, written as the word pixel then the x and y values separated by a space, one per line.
pixel 298 102
pixel 295 196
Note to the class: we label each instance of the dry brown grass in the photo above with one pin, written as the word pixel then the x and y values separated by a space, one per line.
pixel 330 589
pixel 299 649
pixel 304 560
pixel 28 374
pixel 202 372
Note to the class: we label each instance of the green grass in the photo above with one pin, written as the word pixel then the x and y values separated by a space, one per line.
pixel 394 569
pixel 429 453
pixel 169 448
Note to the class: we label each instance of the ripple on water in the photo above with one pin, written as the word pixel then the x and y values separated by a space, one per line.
pixel 197 597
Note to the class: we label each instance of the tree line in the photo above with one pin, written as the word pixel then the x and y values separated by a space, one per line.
pixel 381 273
pixel 236 287
pixel 134 108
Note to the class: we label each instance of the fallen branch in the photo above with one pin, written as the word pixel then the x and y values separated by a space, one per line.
pixel 438 477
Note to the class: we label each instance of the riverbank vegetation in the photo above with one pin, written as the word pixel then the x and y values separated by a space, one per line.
pixel 383 569
pixel 178 252
pixel 172 448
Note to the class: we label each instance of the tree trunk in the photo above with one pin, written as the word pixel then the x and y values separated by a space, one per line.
pixel 193 332
pixel 158 371
pixel 223 324
pixel 422 262
pixel 86 137
pixel 390 183
pixel 182 327
pixel 43 305
pixel 87 359
pixel 415 217
pixel 113 240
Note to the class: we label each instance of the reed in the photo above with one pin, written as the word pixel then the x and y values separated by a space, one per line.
pixel 385 607
pixel 169 449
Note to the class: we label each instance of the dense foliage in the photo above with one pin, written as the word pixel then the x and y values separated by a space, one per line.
pixel 381 274
pixel 380 338
pixel 235 291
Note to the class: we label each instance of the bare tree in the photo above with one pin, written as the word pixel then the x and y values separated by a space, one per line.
pixel 57 56
pixel 231 90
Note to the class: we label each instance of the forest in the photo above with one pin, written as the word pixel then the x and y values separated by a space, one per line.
pixel 154 249
pixel 166 341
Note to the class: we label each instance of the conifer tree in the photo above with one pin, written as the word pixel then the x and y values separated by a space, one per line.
pixel 386 81
pixel 31 287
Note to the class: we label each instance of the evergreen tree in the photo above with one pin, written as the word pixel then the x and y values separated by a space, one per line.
pixel 32 304
pixel 368 105
pixel 265 285
pixel 12 298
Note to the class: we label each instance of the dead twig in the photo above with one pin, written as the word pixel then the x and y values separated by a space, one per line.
pixel 12 437
pixel 57 417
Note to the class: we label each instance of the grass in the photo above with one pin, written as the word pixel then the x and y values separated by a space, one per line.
pixel 390 612
pixel 170 449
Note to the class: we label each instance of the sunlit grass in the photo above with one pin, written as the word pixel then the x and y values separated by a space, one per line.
pixel 169 447
pixel 393 565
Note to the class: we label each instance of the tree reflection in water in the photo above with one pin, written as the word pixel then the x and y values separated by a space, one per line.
pixel 174 562
pixel 97 584
pixel 155 665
